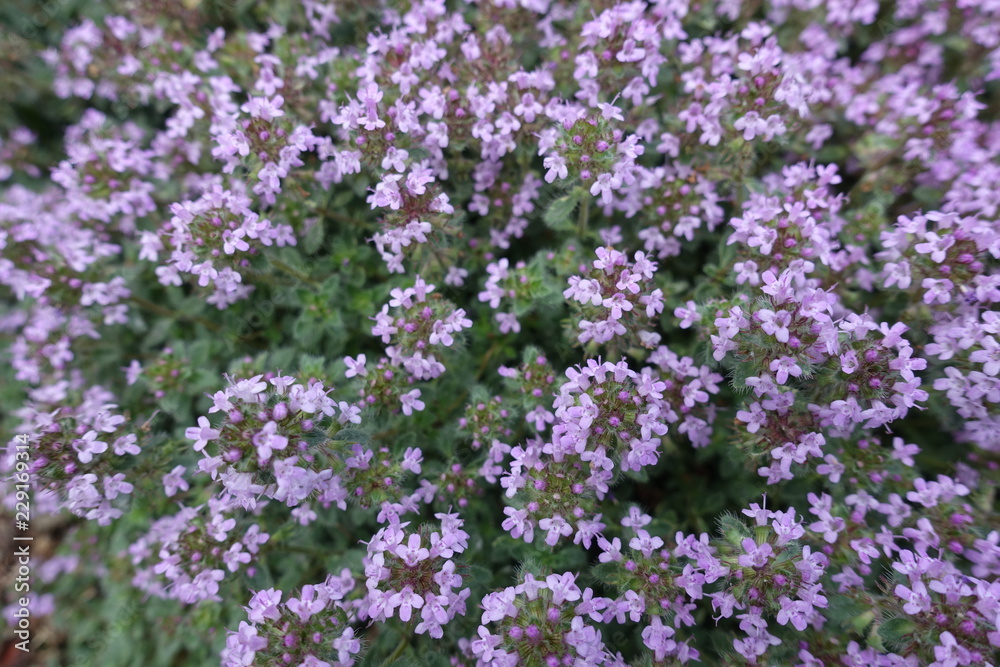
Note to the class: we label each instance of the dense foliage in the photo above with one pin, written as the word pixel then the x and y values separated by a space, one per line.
pixel 510 332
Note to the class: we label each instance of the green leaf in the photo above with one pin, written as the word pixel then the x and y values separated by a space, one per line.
pixel 307 330
pixel 352 435
pixel 559 214
pixel 314 238
pixel 342 199
pixel 733 530
pixel 862 620
pixel 893 631
pixel 431 658
pixel 311 365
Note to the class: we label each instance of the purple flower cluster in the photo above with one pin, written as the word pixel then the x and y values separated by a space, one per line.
pixel 785 341
pixel 617 298
pixel 209 239
pixel 423 320
pixel 605 414
pixel 414 574
pixel 542 621
pixel 300 630
pixel 75 452
pixel 266 444
pixel 292 443
pixel 186 556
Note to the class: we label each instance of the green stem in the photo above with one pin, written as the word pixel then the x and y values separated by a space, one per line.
pixel 486 359
pixel 385 434
pixel 172 314
pixel 403 643
pixel 454 406
pixel 295 273
pixel 581 221
pixel 294 548
pixel 346 219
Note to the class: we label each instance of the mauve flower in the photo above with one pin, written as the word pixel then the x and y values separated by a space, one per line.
pixel 201 434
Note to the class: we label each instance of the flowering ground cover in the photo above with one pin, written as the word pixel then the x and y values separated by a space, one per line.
pixel 509 332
